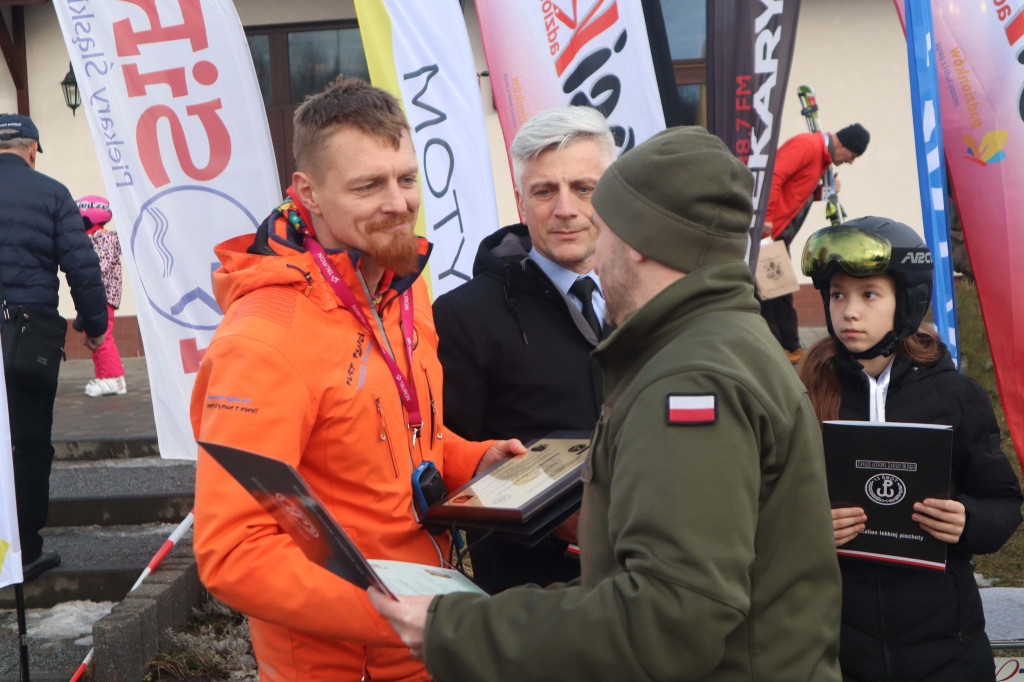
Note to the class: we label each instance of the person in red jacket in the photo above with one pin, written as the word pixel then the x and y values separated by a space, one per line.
pixel 801 162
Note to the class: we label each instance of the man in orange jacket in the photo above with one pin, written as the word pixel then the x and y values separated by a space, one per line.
pixel 327 359
pixel 799 165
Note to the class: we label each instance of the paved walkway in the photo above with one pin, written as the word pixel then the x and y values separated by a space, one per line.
pixel 77 416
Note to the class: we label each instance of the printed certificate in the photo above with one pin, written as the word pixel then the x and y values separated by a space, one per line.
pixel 518 488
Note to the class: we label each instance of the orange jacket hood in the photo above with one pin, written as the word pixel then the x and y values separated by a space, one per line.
pixel 245 266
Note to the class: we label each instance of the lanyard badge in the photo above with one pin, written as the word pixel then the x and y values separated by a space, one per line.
pixel 406 387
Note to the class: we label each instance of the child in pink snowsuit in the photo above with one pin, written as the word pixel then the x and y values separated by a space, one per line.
pixel 106 359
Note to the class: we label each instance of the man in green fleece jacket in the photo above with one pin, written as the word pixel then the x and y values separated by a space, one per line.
pixel 706 542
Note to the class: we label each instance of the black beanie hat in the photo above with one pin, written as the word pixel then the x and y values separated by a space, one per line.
pixel 681 198
pixel 855 138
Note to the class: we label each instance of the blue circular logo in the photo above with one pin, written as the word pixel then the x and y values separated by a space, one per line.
pixel 176 262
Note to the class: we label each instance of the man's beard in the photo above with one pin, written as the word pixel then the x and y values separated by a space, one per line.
pixel 398 252
pixel 619 283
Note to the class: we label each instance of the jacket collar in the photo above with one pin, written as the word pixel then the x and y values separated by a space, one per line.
pixel 506 255
pixel 12 159
pixel 276 255
pixel 508 245
pixel 903 368
pixel 722 286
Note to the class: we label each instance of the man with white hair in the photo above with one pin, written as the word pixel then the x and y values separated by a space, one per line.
pixel 515 342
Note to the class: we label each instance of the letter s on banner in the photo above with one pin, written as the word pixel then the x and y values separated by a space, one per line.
pixel 149 144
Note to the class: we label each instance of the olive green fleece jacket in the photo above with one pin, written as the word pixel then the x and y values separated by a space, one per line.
pixel 707 550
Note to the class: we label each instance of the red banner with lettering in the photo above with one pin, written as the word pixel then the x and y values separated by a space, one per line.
pixel 552 53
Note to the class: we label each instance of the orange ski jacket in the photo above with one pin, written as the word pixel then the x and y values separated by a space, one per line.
pixel 800 163
pixel 291 374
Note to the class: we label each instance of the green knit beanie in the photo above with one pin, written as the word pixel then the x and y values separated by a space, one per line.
pixel 680 198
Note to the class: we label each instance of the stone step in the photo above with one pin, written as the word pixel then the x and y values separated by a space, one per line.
pixel 98 563
pixel 79 448
pixel 118 492
pixel 125 634
pixel 107 471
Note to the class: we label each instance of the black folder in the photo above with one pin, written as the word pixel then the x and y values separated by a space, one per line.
pixel 884 468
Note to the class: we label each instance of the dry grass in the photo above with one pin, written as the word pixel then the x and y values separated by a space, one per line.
pixel 1006 567
pixel 214 646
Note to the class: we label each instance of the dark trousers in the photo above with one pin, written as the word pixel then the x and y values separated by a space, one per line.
pixel 31 414
pixel 499 563
pixel 780 314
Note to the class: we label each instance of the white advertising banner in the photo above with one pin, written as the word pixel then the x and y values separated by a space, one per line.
pixel 420 52
pixel 175 111
pixel 552 53
pixel 10 545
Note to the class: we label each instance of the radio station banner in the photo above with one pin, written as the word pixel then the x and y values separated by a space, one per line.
pixel 420 53
pixel 980 84
pixel 171 96
pixel 552 53
pixel 931 164
pixel 10 543
pixel 750 49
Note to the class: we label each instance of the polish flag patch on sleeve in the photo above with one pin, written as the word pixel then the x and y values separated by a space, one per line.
pixel 692 409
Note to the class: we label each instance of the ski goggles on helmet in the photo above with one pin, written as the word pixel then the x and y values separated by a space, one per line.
pixel 858 252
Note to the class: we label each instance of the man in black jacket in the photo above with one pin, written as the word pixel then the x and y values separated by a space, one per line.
pixel 41 229
pixel 515 341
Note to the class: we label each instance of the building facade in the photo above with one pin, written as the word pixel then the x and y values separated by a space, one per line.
pixel 853 54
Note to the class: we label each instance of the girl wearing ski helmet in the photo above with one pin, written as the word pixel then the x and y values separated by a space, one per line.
pixel 106 359
pixel 879 364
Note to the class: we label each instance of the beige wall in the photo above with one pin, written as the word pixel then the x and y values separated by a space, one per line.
pixel 263 12
pixel 70 155
pixel 8 102
pixel 855 56
pixel 861 80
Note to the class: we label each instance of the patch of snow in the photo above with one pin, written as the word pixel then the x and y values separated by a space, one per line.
pixel 69 620
pixel 1004 613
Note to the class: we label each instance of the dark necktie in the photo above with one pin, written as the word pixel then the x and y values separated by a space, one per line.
pixel 583 289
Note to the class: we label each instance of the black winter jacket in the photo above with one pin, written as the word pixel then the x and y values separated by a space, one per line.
pixel 516 357
pixel 41 229
pixel 515 350
pixel 911 624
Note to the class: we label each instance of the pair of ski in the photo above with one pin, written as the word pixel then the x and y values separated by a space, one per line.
pixel 809 108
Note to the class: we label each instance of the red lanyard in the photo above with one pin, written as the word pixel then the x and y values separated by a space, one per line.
pixel 406 387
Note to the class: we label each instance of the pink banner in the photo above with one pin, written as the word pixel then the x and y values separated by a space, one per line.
pixel 981 81
pixel 553 53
